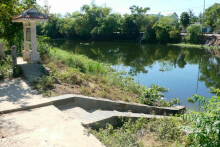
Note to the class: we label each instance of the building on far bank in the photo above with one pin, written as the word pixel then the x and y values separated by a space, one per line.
pixel 159 15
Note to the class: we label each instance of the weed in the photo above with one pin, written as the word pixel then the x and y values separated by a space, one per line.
pixel 85 90
pixel 205 124
pixel 7 70
pixel 53 68
pixel 44 84
pixel 134 132
pixel 193 46
pixel 127 98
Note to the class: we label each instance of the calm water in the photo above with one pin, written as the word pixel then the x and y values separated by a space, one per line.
pixel 187 71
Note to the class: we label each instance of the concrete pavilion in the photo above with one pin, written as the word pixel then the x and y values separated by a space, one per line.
pixel 29 18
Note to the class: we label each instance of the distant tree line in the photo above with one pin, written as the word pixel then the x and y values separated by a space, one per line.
pixel 99 23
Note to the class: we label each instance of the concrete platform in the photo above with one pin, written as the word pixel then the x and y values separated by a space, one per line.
pixel 31 71
pixel 16 93
pixel 46 126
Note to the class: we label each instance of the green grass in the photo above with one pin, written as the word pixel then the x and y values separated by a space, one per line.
pixel 143 132
pixel 80 62
pixel 103 71
pixel 183 45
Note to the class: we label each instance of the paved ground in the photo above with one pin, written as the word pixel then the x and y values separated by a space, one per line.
pixel 46 126
pixel 16 93
pixel 30 71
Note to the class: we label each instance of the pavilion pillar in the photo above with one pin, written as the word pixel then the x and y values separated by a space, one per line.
pixel 26 51
pixel 35 56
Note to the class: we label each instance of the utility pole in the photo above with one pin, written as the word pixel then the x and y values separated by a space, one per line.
pixel 104 4
pixel 203 17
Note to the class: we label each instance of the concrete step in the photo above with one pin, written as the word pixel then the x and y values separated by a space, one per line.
pixel 45 126
pixel 73 112
pixel 90 117
pixel 66 134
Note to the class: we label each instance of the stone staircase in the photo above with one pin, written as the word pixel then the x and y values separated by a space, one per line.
pixel 102 117
pixel 45 126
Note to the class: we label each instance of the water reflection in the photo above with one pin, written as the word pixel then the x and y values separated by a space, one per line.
pixel 184 71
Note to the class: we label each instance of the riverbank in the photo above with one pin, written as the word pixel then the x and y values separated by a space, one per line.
pixel 183 45
pixel 77 74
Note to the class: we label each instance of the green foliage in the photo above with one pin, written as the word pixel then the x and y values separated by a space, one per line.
pixel 44 84
pixel 165 131
pixel 130 27
pixel 167 30
pixel 184 19
pixel 214 90
pixel 204 125
pixel 42 47
pixel 193 34
pixel 149 32
pixel 154 96
pixel 183 45
pixel 122 137
pixel 79 62
pixel 6 68
pixel 70 76
pixel 212 16
pixel 99 23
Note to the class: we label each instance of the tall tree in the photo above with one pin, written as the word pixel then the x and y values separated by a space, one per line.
pixel 139 15
pixel 212 16
pixel 191 15
pixel 130 27
pixel 184 19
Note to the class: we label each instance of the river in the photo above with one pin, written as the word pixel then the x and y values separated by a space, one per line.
pixel 184 71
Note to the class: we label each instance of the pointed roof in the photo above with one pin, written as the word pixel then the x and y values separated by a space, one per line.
pixel 30 14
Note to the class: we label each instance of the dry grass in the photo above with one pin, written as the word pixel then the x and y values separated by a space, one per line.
pixel 72 81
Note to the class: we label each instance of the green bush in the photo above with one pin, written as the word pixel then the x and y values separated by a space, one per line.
pixel 193 34
pixel 6 68
pixel 166 131
pixel 43 47
pixel 44 84
pixel 205 124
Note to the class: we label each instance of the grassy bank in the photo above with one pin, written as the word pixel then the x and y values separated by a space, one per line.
pixel 144 132
pixel 80 75
pixel 183 45
pixel 195 128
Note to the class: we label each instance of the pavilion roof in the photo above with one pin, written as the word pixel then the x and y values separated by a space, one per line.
pixel 30 14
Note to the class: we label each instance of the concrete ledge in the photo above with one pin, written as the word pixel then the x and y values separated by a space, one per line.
pixel 26 107
pixel 104 104
pixel 116 120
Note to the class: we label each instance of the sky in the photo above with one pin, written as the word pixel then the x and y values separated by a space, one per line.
pixel 122 6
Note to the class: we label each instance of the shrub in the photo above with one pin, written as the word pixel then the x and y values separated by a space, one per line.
pixel 44 84
pixel 205 124
pixel 43 47
pixel 166 131
pixel 193 34
pixel 6 68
